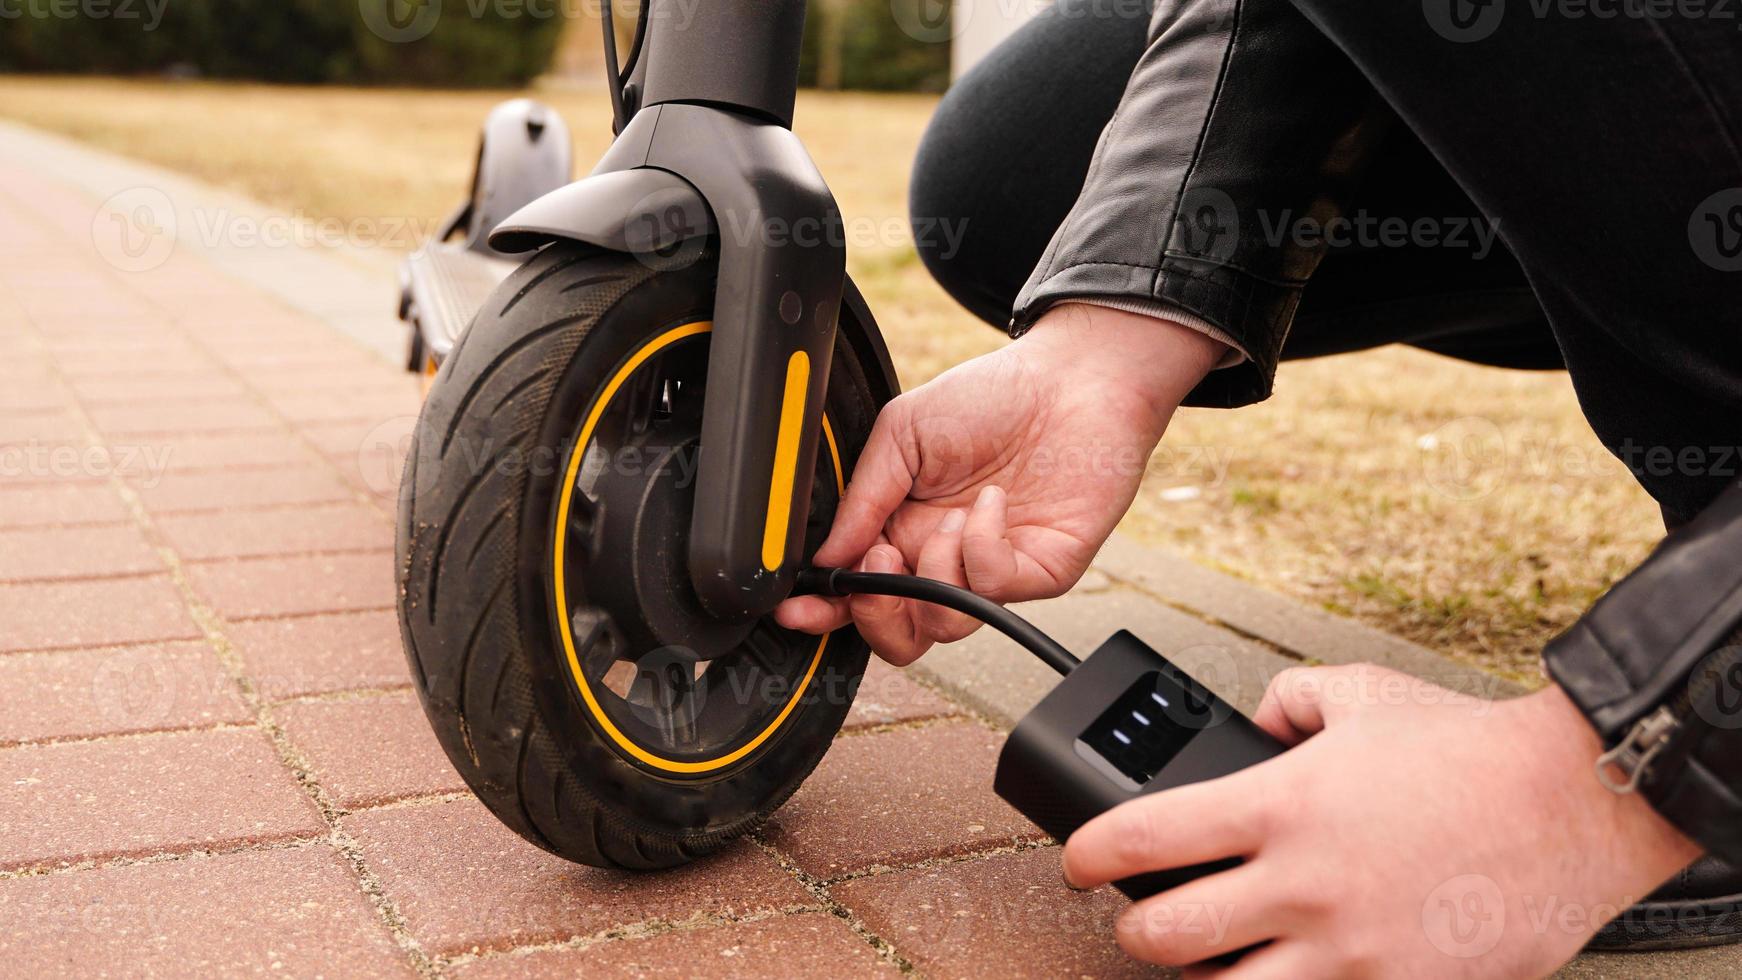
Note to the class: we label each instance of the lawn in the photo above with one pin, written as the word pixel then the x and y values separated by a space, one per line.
pixel 1469 509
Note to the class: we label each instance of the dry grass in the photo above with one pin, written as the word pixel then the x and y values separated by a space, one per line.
pixel 1344 491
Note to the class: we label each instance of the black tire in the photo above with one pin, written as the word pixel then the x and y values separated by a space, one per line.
pixel 477 612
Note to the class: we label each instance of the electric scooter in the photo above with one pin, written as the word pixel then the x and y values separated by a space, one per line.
pixel 649 389
pixel 634 441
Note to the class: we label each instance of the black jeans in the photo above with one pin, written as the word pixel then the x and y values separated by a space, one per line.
pixel 1553 190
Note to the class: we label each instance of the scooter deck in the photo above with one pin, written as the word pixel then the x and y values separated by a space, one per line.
pixel 446 284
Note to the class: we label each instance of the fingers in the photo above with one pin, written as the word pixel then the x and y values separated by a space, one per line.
pixel 886 622
pixel 1303 701
pixel 881 480
pixel 940 558
pixel 1291 710
pixel 993 561
pixel 1202 919
pixel 988 557
pixel 1282 960
pixel 1172 829
pixel 813 613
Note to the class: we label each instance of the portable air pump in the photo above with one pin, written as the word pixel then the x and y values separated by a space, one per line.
pixel 1122 723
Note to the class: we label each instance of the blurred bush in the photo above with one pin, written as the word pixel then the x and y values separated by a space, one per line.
pixel 853 44
pixel 861 44
pixel 285 40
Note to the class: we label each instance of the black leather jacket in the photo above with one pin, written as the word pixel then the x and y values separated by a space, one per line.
pixel 1656 665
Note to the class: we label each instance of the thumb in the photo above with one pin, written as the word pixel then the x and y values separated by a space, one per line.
pixel 1303 701
pixel 1293 708
pixel 881 481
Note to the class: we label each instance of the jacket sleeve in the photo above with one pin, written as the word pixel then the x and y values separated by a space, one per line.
pixel 1656 665
pixel 1239 119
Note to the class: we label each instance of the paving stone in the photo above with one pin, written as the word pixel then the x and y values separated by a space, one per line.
pixel 280 531
pixel 119 797
pixel 886 697
pixel 49 427
pixel 247 588
pixel 372 375
pixel 182 418
pixel 369 750
pixel 224 490
pixel 61 503
pixel 135 364
pixel 1010 914
pixel 201 385
pixel 347 438
pixel 374 404
pixel 374 473
pixel 464 882
pixel 318 654
pixel 292 912
pixel 43 394
pixel 808 944
pixel 334 352
pixel 898 797
pixel 56 615
pixel 76 552
pixel 265 333
pixel 77 693
pixel 182 454
pixel 82 296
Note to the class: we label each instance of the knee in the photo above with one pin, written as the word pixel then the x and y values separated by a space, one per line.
pixel 953 204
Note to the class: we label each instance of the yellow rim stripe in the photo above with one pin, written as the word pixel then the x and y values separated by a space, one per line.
pixel 640 357
pixel 798 378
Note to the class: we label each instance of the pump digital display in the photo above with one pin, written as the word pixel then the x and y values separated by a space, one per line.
pixel 1139 733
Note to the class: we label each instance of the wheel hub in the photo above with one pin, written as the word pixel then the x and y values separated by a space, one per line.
pixel 647 495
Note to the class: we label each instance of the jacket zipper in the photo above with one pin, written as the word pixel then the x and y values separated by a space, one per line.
pixel 1623 767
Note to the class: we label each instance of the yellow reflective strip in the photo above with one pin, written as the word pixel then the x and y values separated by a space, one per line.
pixel 798 377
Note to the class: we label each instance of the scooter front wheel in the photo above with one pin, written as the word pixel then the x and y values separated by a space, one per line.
pixel 561 655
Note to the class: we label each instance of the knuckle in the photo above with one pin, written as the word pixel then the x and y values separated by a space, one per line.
pixel 1136 836
pixel 1148 932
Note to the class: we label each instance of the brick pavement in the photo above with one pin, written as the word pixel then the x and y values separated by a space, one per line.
pixel 207 696
pixel 211 760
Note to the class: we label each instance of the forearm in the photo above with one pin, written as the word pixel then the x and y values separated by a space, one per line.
pixel 1153 360
pixel 1646 849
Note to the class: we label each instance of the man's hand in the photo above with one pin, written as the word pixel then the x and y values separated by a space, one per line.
pixel 1007 473
pixel 1412 832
